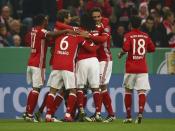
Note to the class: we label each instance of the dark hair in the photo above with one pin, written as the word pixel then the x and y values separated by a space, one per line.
pixel 87 22
pixel 39 19
pixel 95 9
pixel 135 21
pixel 62 14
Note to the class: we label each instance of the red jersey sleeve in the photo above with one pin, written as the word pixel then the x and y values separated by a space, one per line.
pixel 99 39
pixel 126 44
pixel 90 46
pixel 151 46
pixel 62 26
pixel 44 33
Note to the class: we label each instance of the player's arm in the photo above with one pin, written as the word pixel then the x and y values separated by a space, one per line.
pixel 126 44
pixel 125 47
pixel 57 33
pixel 86 44
pixel 151 46
pixel 99 39
pixel 90 48
pixel 121 54
pixel 62 26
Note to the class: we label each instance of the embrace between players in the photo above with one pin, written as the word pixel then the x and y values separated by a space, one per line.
pixel 81 56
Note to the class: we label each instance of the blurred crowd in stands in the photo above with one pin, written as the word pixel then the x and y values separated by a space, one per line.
pixel 157 18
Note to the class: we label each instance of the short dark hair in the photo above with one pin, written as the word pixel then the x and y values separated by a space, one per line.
pixel 39 19
pixel 135 21
pixel 95 9
pixel 62 14
pixel 87 22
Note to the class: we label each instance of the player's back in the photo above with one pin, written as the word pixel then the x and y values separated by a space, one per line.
pixel 38 47
pixel 65 52
pixel 137 44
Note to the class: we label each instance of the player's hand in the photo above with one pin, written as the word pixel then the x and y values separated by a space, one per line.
pixel 120 54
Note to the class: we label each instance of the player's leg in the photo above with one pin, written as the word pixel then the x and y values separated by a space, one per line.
pixel 81 77
pixel 37 80
pixel 94 81
pixel 105 74
pixel 128 104
pixel 38 114
pixel 128 84
pixel 142 100
pixel 58 99
pixel 106 100
pixel 55 84
pixel 142 86
pixel 69 82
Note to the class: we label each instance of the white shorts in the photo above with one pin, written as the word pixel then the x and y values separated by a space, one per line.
pixel 59 77
pixel 105 72
pixel 35 76
pixel 136 81
pixel 88 70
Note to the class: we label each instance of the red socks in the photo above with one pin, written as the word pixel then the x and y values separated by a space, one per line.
pixel 142 100
pixel 107 102
pixel 97 101
pixel 128 102
pixel 80 99
pixel 71 102
pixel 50 104
pixel 44 103
pixel 32 101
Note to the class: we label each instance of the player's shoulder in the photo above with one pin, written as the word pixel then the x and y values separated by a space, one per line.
pixel 127 34
pixel 144 33
pixel 105 21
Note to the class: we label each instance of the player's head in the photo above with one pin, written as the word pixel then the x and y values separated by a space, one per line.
pixel 96 14
pixel 87 22
pixel 149 22
pixel 64 16
pixel 40 20
pixel 135 22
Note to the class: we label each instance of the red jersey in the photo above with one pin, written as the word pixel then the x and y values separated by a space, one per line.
pixel 104 53
pixel 38 47
pixel 137 44
pixel 60 26
pixel 83 53
pixel 65 52
pixel 96 36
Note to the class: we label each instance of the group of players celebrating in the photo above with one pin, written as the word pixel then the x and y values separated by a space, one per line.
pixel 81 60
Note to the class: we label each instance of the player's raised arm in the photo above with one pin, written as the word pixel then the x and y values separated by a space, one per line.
pixel 59 32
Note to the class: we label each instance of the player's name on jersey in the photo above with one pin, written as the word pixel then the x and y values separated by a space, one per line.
pixel 61 52
pixel 136 36
pixel 137 57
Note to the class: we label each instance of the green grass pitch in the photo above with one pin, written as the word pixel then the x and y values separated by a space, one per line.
pixel 117 125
